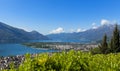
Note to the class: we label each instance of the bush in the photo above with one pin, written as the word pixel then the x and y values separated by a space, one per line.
pixel 71 61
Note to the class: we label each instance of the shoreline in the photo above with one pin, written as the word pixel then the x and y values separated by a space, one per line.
pixel 60 46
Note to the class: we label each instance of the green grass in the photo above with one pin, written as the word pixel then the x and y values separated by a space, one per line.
pixel 70 61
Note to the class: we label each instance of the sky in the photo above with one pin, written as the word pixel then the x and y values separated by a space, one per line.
pixel 58 16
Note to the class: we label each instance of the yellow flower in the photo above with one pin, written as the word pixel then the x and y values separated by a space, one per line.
pixel 42 60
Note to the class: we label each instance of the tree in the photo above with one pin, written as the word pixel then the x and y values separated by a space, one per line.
pixel 104 45
pixel 111 45
pixel 115 40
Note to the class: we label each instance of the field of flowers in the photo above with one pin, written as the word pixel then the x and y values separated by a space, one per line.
pixel 70 61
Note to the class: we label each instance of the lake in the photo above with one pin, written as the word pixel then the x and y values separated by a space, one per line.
pixel 18 49
pixel 82 41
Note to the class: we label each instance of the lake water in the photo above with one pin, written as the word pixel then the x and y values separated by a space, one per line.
pixel 18 49
pixel 71 41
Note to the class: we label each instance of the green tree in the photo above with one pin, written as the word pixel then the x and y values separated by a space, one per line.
pixel 115 40
pixel 111 45
pixel 104 45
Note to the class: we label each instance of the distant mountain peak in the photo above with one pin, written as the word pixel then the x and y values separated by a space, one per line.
pixel 90 34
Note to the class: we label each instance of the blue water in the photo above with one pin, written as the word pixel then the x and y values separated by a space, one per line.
pixel 71 41
pixel 18 49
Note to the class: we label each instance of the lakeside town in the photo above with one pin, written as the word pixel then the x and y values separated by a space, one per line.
pixel 62 46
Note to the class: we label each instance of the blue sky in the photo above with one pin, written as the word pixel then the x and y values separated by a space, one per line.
pixel 52 16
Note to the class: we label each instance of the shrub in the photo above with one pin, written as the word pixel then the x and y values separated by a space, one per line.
pixel 71 61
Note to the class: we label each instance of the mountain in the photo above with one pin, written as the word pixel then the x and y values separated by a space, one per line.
pixel 9 34
pixel 91 34
pixel 38 36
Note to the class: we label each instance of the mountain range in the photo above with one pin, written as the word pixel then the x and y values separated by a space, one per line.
pixel 90 34
pixel 9 34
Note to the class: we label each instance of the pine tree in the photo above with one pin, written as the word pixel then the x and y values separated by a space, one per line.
pixel 111 45
pixel 104 45
pixel 115 40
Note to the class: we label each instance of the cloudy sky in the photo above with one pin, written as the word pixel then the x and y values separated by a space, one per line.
pixel 58 16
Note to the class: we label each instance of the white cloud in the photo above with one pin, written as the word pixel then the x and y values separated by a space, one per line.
pixel 105 22
pixel 80 30
pixel 72 30
pixel 94 26
pixel 57 31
